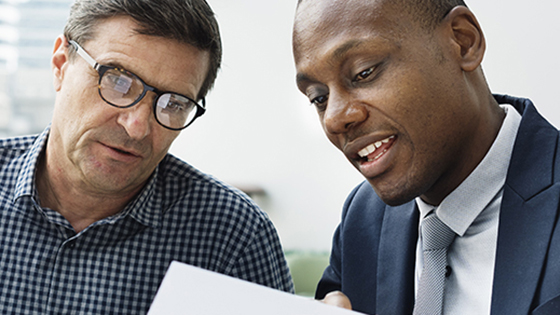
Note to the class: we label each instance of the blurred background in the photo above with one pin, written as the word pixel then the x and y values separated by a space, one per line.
pixel 259 132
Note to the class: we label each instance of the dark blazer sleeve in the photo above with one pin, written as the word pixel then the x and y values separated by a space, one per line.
pixel 551 307
pixel 372 259
pixel 331 280
pixel 353 263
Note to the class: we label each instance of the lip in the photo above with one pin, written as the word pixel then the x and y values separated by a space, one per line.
pixel 121 154
pixel 380 160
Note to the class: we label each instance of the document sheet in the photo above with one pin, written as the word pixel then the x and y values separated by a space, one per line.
pixel 190 290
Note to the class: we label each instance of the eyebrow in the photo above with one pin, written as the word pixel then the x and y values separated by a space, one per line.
pixel 119 65
pixel 340 51
pixel 337 54
pixel 301 77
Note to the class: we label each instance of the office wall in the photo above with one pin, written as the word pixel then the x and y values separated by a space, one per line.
pixel 260 131
pixel 522 54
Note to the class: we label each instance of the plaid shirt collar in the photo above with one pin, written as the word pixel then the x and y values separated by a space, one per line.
pixel 142 208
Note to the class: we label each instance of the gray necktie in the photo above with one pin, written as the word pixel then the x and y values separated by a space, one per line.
pixel 436 238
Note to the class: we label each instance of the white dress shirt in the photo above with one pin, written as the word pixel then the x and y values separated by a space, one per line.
pixel 472 212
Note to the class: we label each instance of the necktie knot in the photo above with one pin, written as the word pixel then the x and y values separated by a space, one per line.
pixel 436 234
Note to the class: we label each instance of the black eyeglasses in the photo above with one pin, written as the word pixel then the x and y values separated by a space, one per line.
pixel 123 89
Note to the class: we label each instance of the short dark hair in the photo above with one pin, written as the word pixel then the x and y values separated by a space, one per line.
pixel 428 13
pixel 188 21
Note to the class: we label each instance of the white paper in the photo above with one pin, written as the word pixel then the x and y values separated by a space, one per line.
pixel 190 290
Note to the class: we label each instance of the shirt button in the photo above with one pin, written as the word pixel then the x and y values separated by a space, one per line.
pixel 448 271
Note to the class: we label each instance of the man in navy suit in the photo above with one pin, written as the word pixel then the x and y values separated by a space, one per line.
pixel 399 89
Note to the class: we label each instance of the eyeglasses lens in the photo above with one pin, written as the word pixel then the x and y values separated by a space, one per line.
pixel 122 89
pixel 119 88
pixel 174 110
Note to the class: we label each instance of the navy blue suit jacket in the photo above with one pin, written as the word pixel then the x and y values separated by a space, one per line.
pixel 372 259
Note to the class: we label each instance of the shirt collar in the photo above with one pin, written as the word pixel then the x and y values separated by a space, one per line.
pixel 25 184
pixel 461 207
pixel 142 208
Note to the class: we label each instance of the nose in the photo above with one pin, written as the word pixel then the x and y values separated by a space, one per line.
pixel 342 113
pixel 138 119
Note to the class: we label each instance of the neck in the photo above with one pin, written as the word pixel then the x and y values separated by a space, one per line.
pixel 80 207
pixel 483 137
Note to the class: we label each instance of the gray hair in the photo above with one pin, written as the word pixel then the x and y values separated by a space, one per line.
pixel 187 21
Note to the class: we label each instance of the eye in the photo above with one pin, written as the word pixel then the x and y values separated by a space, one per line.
pixel 364 75
pixel 320 102
pixel 176 106
pixel 173 104
pixel 118 81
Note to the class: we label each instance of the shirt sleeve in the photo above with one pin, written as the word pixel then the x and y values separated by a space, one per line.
pixel 263 260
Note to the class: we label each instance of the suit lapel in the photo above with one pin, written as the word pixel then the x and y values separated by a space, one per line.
pixel 523 238
pixel 527 216
pixel 395 269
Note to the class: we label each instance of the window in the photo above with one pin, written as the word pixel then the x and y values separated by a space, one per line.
pixel 28 29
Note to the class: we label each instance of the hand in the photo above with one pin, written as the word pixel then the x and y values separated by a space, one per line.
pixel 337 298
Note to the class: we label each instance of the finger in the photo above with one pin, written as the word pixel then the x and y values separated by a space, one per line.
pixel 339 299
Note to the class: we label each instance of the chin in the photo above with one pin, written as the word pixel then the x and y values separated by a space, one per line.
pixel 394 195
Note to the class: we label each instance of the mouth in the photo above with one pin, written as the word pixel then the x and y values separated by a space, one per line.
pixel 122 153
pixel 376 150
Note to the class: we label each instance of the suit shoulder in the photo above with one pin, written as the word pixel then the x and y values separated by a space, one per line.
pixel 363 195
pixel 362 202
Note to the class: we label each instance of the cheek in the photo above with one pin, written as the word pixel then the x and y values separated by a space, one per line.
pixel 78 103
pixel 73 99
pixel 162 142
pixel 420 112
pixel 77 115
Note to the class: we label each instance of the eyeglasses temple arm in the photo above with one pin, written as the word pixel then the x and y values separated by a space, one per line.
pixel 84 54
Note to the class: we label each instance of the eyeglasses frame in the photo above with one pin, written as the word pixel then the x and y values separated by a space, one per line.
pixel 101 69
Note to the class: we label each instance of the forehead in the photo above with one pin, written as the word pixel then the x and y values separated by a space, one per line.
pixel 319 14
pixel 162 62
pixel 331 33
pixel 326 30
pixel 320 21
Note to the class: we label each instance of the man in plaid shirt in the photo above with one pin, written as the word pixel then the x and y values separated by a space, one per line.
pixel 94 209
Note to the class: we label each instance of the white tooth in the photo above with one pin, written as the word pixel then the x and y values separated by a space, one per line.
pixel 378 156
pixel 374 146
pixel 388 139
pixel 367 150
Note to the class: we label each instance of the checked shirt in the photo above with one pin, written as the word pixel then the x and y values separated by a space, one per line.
pixel 115 265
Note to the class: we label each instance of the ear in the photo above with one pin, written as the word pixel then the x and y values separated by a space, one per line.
pixel 59 60
pixel 467 37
